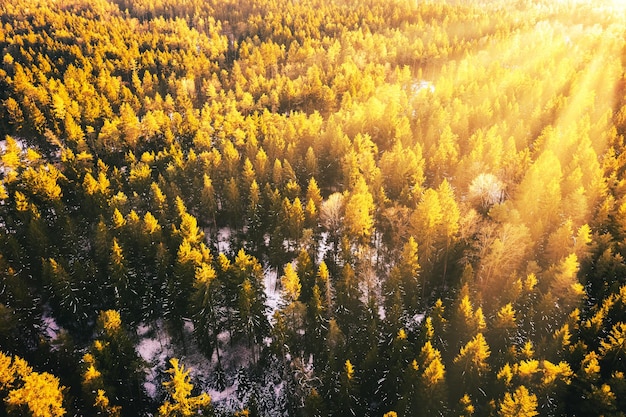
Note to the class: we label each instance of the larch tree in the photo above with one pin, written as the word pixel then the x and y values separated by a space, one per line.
pixel 205 303
pixel 180 402
pixel 432 388
pixel 115 358
pixel 402 171
pixel 250 314
pixel 424 223
pixel 39 396
pixel 359 210
pixel 471 365
pixel 450 221
pixel 520 403
pixel 27 392
pixel 538 196
pixel 443 156
pixel 322 281
pixel 291 285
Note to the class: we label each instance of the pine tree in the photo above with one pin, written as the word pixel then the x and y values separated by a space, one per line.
pixel 315 322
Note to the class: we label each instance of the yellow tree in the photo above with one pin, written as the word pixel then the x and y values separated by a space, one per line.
pixel 41 395
pixel 424 223
pixel 431 389
pixel 291 284
pixel 565 284
pixel 402 171
pixel 29 393
pixel 359 208
pixel 11 155
pixel 471 365
pixel 205 319
pixel 180 402
pixel 403 279
pixel 519 404
pixel 451 216
pixel 538 196
pixel 444 155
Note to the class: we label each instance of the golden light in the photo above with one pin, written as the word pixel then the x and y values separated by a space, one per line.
pixel 617 5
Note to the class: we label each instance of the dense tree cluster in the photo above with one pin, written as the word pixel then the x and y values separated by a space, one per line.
pixel 366 208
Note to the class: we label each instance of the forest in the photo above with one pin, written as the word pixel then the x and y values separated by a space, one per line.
pixel 380 208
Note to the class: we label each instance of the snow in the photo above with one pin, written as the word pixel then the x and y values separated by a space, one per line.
pixel 423 85
pixel 381 312
pixel 150 349
pixel 155 348
pixel 142 329
pixel 189 327
pixel 324 247
pixel 151 389
pixel 50 327
pixel 273 296
pixel 220 396
pixel 223 240
pixel 413 323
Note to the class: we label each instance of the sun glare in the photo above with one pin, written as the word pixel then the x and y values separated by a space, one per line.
pixel 618 4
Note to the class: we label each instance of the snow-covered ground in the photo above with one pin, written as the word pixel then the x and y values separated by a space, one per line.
pixel 155 348
pixel 51 329
pixel 223 240
pixel 272 292
pixel 423 85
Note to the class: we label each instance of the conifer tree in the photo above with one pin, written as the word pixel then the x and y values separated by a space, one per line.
pixel 180 402
pixel 206 304
pixel 521 403
pixel 250 293
pixel 359 212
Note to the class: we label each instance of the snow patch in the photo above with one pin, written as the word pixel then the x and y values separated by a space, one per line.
pixel 323 247
pixel 149 349
pixel 223 240
pixel 142 329
pixel 423 85
pixel 273 297
pixel 155 348
pixel 151 389
pixel 50 327
pixel 413 323
pixel 381 312
pixel 219 396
